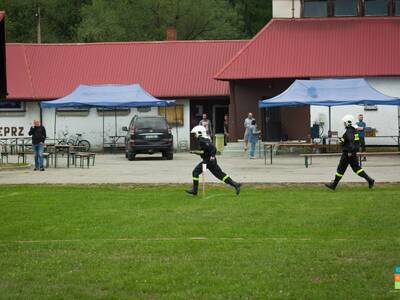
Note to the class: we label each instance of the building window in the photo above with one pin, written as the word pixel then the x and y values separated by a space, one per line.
pixel 144 109
pixel 376 7
pixel 397 8
pixel 12 106
pixel 72 111
pixel 315 8
pixel 345 7
pixel 174 114
pixel 110 111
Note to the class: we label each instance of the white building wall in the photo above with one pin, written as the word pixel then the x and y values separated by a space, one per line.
pixel 385 119
pixel 20 120
pixel 90 126
pixel 284 8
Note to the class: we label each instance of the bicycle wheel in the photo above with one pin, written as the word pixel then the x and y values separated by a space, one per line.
pixel 85 145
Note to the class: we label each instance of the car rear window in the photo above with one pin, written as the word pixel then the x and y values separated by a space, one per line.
pixel 154 123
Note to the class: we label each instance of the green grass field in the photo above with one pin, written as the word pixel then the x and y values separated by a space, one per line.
pixel 121 242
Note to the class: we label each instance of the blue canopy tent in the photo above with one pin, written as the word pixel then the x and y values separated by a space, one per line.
pixel 106 96
pixel 329 92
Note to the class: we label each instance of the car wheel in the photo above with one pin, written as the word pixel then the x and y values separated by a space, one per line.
pixel 169 155
pixel 131 156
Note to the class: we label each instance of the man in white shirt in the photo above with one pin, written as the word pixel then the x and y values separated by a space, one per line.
pixel 207 124
pixel 247 124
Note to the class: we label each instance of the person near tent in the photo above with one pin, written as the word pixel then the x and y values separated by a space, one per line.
pixel 254 134
pixel 350 145
pixel 361 133
pixel 207 152
pixel 38 133
pixel 207 125
pixel 247 124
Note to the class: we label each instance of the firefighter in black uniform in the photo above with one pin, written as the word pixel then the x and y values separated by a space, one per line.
pixel 207 152
pixel 350 146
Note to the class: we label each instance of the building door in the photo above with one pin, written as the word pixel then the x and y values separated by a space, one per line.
pixel 272 124
pixel 219 111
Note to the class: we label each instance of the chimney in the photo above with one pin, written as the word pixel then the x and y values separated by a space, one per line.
pixel 171 33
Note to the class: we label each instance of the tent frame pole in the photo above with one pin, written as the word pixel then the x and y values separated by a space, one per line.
pixel 330 125
pixel 176 127
pixel 103 128
pixel 55 124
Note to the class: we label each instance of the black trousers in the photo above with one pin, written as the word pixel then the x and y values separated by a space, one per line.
pixel 212 165
pixel 345 161
pixel 362 144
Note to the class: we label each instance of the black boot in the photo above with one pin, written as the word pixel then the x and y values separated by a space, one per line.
pixel 234 184
pixel 194 189
pixel 370 181
pixel 331 185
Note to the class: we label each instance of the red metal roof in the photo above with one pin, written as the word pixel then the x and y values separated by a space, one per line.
pixel 165 69
pixel 319 47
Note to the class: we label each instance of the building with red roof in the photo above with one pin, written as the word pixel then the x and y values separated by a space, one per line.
pixel 3 78
pixel 318 47
pixel 182 70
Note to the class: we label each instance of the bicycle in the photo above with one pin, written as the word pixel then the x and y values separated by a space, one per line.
pixel 75 140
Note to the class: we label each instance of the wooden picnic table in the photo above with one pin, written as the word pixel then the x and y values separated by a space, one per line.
pixel 64 149
pixel 308 156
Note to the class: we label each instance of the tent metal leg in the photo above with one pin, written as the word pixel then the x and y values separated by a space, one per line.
pixel 115 116
pixel 103 129
pixel 55 125
pixel 176 127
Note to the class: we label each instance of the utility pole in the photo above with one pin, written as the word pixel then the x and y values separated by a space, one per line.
pixel 39 33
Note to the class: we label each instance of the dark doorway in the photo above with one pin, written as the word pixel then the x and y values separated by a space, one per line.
pixel 272 124
pixel 286 123
pixel 215 108
pixel 219 111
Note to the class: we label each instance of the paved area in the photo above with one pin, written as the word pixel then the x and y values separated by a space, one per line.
pixel 115 168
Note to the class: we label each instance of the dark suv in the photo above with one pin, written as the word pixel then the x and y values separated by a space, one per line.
pixel 148 135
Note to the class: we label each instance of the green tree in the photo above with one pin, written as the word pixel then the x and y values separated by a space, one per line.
pixel 59 19
pixel 255 14
pixel 148 19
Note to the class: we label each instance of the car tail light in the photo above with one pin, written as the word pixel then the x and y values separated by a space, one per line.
pixel 132 131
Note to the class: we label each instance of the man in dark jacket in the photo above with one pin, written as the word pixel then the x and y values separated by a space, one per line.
pixel 350 146
pixel 38 133
pixel 207 152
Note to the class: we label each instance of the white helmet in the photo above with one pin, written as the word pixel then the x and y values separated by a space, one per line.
pixel 199 131
pixel 348 120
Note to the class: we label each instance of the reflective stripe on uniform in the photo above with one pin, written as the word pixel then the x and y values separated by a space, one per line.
pixel 356 137
pixel 338 174
pixel 225 178
pixel 359 171
pixel 196 178
pixel 199 151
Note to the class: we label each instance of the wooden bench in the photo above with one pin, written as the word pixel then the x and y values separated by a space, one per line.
pixel 82 156
pixel 22 155
pixel 47 156
pixel 3 154
pixel 308 156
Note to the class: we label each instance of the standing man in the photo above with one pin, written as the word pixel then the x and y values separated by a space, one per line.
pixel 206 123
pixel 38 133
pixel 247 124
pixel 350 146
pixel 207 152
pixel 226 129
pixel 361 133
pixel 253 138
